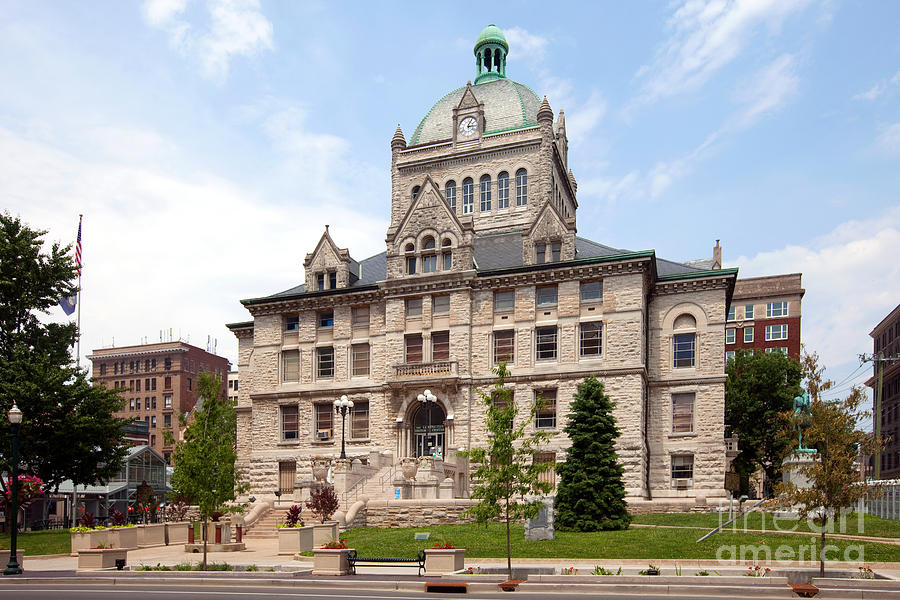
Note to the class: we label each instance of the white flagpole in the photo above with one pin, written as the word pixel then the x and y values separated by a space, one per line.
pixel 78 339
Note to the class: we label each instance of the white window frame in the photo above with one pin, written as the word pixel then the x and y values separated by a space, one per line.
pixel 782 332
pixel 730 335
pixel 683 396
pixel 748 311
pixel 776 309
pixel 748 338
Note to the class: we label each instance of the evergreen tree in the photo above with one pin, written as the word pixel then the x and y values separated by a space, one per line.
pixel 69 430
pixel 591 494
pixel 205 459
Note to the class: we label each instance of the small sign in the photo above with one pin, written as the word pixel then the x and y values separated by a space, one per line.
pixel 396 493
pixel 422 535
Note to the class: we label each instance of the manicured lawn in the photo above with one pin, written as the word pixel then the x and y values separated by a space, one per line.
pixel 870 526
pixel 54 541
pixel 635 543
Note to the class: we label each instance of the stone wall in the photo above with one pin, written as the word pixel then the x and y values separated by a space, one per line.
pixel 416 513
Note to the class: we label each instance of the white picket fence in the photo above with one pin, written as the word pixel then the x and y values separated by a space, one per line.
pixel 887 505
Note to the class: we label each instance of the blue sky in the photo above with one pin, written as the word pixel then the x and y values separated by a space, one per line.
pixel 208 142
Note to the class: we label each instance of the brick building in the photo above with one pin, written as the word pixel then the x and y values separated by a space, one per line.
pixel 482 264
pixel 886 347
pixel 765 315
pixel 157 381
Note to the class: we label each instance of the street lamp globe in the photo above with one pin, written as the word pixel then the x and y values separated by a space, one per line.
pixel 15 415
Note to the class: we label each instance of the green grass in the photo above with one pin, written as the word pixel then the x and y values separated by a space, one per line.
pixel 870 526
pixel 634 543
pixel 53 541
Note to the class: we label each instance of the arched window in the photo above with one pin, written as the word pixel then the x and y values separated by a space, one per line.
pixel 503 190
pixel 428 243
pixel 410 259
pixel 485 193
pixel 521 187
pixel 447 254
pixel 450 194
pixel 468 196
pixel 415 192
pixel 429 258
pixel 684 342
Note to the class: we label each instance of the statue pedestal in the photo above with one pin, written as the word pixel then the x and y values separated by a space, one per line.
pixel 791 471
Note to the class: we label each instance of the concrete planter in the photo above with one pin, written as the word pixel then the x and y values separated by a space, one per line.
pixel 100 558
pixel 325 532
pixel 125 538
pixel 89 539
pixel 177 532
pixel 150 535
pixel 438 562
pixel 330 562
pixel 292 540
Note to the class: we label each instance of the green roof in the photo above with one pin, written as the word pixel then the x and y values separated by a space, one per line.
pixel 491 35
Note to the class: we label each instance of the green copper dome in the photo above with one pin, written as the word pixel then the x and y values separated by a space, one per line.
pixel 491 35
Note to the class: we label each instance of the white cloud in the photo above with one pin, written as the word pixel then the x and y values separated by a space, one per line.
pixel 235 28
pixel 528 47
pixel 852 280
pixel 705 37
pixel 767 91
pixel 879 89
pixel 889 139
pixel 583 119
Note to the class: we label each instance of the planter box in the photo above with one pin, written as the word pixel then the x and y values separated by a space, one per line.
pixel 177 532
pixel 125 538
pixel 100 558
pixel 325 532
pixel 151 535
pixel 211 532
pixel 89 539
pixel 438 562
pixel 330 562
pixel 292 540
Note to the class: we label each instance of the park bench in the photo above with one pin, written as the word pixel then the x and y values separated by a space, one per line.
pixel 353 559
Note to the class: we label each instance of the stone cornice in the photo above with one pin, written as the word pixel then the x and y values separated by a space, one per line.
pixel 465 156
pixel 578 269
pixel 696 380
pixel 708 280
pixel 273 306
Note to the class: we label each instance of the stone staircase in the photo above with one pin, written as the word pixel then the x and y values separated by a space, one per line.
pixel 265 526
pixel 377 487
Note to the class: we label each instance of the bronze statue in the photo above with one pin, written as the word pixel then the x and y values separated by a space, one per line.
pixel 802 416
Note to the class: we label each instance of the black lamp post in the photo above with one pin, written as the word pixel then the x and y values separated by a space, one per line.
pixel 341 406
pixel 15 421
pixel 428 399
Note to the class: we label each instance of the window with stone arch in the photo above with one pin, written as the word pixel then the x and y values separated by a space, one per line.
pixel 468 192
pixel 415 192
pixel 446 254
pixel 503 190
pixel 521 187
pixel 429 255
pixel 410 259
pixel 450 194
pixel 684 341
pixel 485 186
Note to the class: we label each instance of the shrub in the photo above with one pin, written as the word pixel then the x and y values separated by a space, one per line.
pixel 292 517
pixel 323 502
pixel 650 570
pixel 118 518
pixel 177 511
pixel 598 570
pixel 87 519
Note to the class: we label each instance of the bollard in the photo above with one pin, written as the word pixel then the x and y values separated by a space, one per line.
pixel 218 533
pixel 191 534
pixel 240 533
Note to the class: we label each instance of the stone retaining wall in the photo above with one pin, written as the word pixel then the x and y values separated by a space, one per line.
pixel 414 513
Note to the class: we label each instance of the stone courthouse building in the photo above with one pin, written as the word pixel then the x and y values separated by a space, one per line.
pixel 483 264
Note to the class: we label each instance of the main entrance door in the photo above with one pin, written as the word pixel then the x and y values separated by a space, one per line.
pixel 428 430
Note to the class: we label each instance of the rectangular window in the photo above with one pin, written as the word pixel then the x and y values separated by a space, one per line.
pixel 130 405
pixel 548 476
pixel 748 311
pixel 485 194
pixel 468 196
pixel 167 420
pixel 748 334
pixel 450 194
pixel 440 305
pixel 730 335
pixel 324 416
pixel 591 335
pixel 729 355
pixel 320 281
pixel 153 402
pixel 359 420
pixel 290 423
pixel 360 316
pixel 545 410
pixel 546 295
pixel 137 385
pixel 731 314
pixel 782 350
pixel 414 348
pixel 448 260
pixel 146 403
pixel 102 372
pixel 683 466
pixel 501 400
pixel 332 280
pixel 146 385
pixel 521 187
pixel 555 251
pixel 414 307
pixel 540 253
pixel 776 332
pixel 153 421
pixel 545 343
pixel 326 318
pixel 429 263
pixel 411 265
pixel 684 346
pixel 325 363
pixel 360 360
pixel 168 383
pixel 167 401
pixel 290 365
pixel 591 291
pixel 504 301
pixel 153 437
pixel 153 384
pixel 440 345
pixel 292 323
pixel 682 413
pixel 503 191
pixel 776 309
pixel 504 346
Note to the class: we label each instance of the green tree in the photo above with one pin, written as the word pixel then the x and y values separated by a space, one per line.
pixel 506 478
pixel 205 459
pixel 69 430
pixel 591 494
pixel 832 473
pixel 759 388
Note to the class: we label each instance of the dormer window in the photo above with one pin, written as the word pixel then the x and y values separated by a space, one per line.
pixel 555 249
pixel 540 252
pixel 320 281
pixel 332 280
pixel 429 258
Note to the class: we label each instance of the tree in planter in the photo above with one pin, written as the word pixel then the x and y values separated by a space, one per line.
pixel 292 517
pixel 833 476
pixel 759 389
pixel 591 494
pixel 506 474
pixel 323 502
pixel 205 459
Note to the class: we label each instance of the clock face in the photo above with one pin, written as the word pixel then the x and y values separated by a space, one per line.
pixel 468 127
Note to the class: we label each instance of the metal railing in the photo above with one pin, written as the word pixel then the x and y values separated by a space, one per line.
pixel 887 505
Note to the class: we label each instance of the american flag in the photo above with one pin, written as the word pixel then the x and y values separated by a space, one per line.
pixel 78 249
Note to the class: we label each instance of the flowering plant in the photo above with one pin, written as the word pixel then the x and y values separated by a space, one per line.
pixel 336 545
pixel 30 487
pixel 866 573
pixel 292 517
pixel 569 571
pixel 757 571
pixel 443 546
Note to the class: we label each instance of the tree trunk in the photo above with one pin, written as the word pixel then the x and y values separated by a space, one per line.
pixel 822 551
pixel 205 542
pixel 508 546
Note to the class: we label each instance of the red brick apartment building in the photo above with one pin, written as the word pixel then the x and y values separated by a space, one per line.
pixel 886 346
pixel 158 382
pixel 765 315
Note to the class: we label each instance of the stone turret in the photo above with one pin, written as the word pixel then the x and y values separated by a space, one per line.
pixel 398 142
pixel 545 113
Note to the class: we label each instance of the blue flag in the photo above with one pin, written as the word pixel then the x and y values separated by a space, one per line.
pixel 68 304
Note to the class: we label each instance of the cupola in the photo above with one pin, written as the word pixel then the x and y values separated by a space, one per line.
pixel 490 55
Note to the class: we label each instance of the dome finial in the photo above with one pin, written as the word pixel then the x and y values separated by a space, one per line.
pixel 398 142
pixel 490 55
pixel 545 113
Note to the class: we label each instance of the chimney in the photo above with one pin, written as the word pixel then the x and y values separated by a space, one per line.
pixel 717 257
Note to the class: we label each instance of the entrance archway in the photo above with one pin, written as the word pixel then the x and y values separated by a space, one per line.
pixel 428 435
